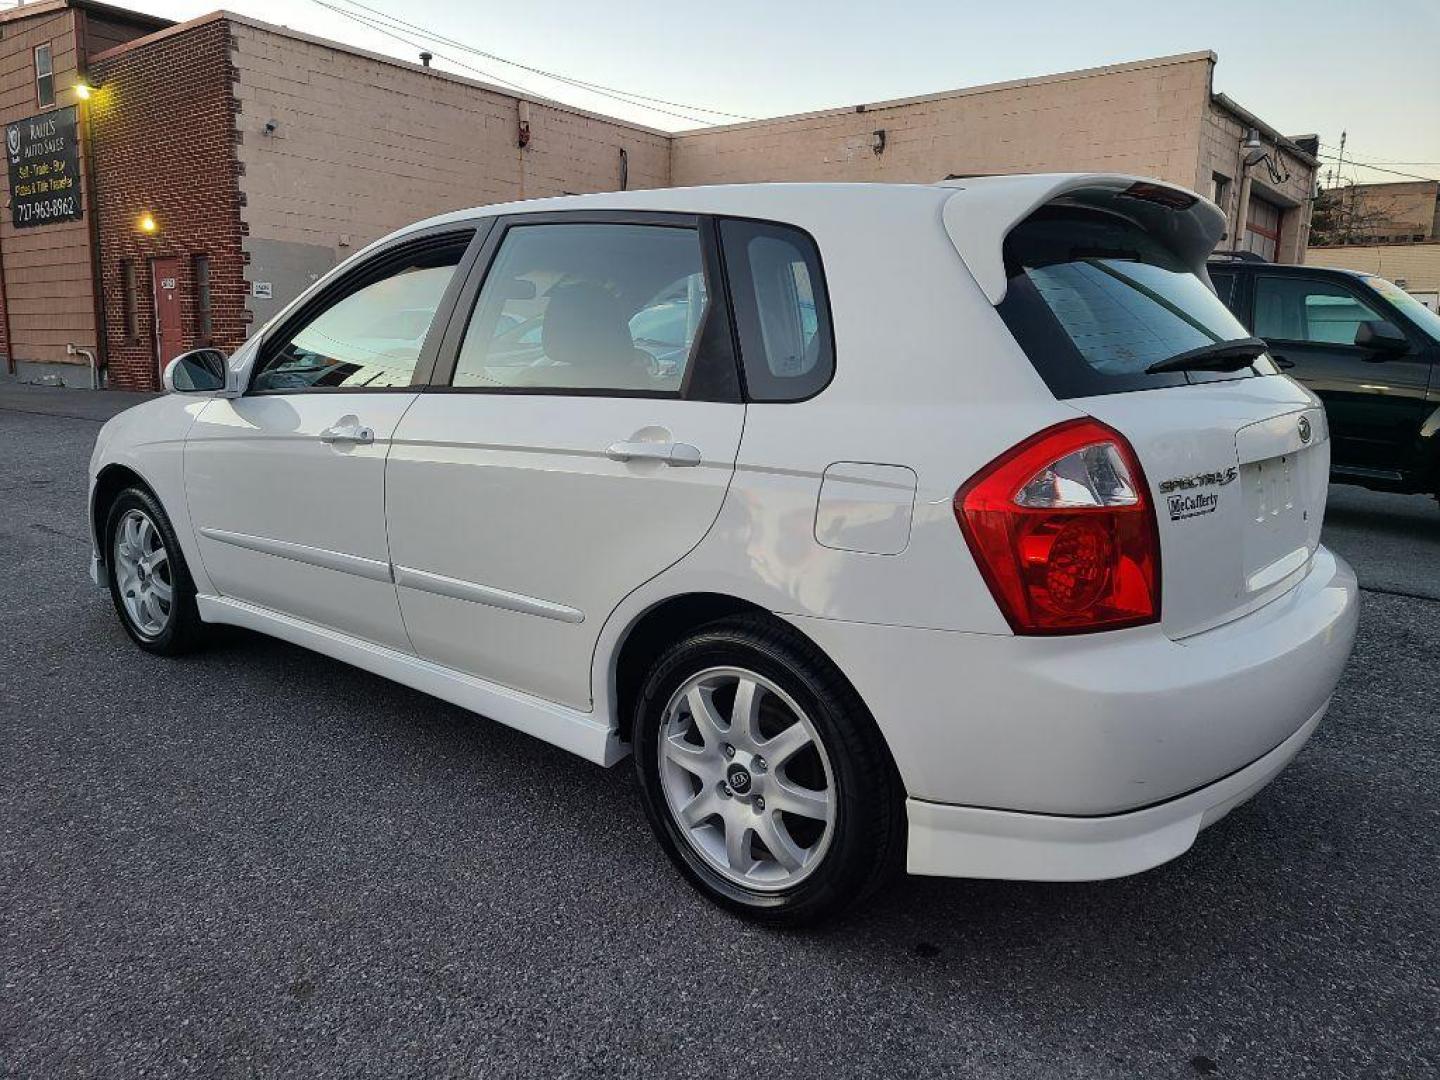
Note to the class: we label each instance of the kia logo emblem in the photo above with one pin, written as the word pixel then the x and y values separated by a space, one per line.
pixel 739 779
pixel 1304 429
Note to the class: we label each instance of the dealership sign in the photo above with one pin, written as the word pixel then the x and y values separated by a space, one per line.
pixel 44 169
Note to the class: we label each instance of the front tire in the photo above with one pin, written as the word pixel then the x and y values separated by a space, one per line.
pixel 150 584
pixel 763 775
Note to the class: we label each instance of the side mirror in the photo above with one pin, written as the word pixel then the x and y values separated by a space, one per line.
pixel 1380 335
pixel 200 371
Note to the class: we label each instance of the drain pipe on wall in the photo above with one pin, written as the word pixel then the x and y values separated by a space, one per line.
pixel 71 349
pixel 1252 152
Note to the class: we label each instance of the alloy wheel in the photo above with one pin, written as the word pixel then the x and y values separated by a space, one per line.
pixel 142 573
pixel 746 778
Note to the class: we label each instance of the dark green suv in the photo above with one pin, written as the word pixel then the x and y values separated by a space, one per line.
pixel 1370 350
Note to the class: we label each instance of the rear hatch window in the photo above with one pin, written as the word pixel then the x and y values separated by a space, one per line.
pixel 1094 300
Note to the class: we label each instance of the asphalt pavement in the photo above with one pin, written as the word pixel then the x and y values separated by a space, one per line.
pixel 260 862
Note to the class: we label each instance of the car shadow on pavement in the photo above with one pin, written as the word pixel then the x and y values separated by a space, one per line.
pixel 1233 864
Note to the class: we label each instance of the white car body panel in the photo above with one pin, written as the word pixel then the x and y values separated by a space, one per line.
pixel 289 522
pixel 979 222
pixel 1096 724
pixel 1207 578
pixel 149 441
pixel 968 841
pixel 1063 757
pixel 578 531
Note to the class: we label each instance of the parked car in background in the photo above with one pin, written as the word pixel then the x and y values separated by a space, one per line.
pixel 1369 349
pixel 959 526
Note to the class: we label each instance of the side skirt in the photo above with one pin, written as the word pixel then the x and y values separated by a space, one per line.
pixel 569 729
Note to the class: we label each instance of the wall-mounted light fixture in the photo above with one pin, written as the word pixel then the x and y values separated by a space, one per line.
pixel 522 129
pixel 1253 147
pixel 1255 153
pixel 84 91
pixel 147 224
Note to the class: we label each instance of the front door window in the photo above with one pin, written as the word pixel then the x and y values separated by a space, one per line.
pixel 1320 312
pixel 369 337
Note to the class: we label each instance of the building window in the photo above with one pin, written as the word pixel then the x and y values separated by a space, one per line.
pixel 1220 192
pixel 44 76
pixel 202 298
pixel 130 314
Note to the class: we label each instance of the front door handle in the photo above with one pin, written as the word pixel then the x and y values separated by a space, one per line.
pixel 678 454
pixel 1282 362
pixel 348 433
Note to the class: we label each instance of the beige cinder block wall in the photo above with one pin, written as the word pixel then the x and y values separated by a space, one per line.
pixel 363 144
pixel 1417 265
pixel 1142 118
pixel 1221 136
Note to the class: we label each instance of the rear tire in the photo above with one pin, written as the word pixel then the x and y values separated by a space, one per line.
pixel 150 584
pixel 764 776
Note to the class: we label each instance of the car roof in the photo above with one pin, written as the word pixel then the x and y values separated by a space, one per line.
pixel 782 199
pixel 1222 263
pixel 736 199
pixel 977 212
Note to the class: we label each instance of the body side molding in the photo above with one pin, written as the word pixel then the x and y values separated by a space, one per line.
pixel 456 589
pixel 374 569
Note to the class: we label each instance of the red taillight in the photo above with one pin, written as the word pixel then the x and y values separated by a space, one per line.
pixel 1064 532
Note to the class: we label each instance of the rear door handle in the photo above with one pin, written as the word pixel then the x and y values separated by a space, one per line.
pixel 678 454
pixel 348 433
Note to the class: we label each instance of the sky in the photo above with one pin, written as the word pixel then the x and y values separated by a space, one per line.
pixel 1371 70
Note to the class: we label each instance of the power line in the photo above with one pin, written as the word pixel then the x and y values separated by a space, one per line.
pixel 1379 160
pixel 1365 161
pixel 570 79
pixel 1362 165
pixel 624 97
pixel 381 28
pixel 416 45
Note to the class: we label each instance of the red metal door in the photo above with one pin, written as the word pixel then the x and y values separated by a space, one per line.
pixel 169 330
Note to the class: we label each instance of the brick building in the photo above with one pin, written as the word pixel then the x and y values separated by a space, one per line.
pixel 217 167
pixel 1392 230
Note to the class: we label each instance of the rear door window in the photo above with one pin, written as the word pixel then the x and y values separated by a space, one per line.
pixel 1094 300
pixel 600 308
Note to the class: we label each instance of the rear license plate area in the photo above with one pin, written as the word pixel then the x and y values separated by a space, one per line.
pixel 1277 528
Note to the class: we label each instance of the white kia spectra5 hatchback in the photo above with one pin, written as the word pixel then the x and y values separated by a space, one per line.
pixel 957 525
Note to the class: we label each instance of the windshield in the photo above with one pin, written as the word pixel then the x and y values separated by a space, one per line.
pixel 1411 308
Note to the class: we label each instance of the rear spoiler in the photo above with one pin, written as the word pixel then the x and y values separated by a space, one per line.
pixel 984 209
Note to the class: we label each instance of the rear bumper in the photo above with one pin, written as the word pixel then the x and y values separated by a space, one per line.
pixel 961 841
pixel 1101 724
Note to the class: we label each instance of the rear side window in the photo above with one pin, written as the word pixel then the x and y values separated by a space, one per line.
pixel 781 310
pixel 1094 300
